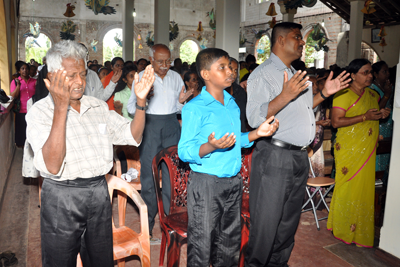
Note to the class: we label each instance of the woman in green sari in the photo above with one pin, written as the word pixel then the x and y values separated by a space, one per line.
pixel 356 114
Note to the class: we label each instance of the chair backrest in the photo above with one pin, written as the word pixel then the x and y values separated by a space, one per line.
pixel 116 183
pixel 178 175
pixel 245 170
pixel 132 158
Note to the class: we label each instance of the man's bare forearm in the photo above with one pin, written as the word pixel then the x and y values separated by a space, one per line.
pixel 55 147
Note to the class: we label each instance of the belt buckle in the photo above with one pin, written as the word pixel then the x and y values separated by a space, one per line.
pixel 304 148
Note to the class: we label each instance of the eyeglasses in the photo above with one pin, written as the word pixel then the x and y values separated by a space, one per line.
pixel 365 73
pixel 163 62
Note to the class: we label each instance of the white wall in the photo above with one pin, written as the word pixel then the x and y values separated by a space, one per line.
pixel 184 12
pixel 391 51
pixel 390 231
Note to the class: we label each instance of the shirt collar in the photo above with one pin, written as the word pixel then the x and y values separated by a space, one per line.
pixel 155 74
pixel 208 98
pixel 30 78
pixel 279 64
pixel 86 102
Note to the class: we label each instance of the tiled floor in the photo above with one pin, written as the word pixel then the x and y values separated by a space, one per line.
pixel 20 231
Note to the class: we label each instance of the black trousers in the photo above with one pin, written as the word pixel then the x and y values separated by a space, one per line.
pixel 213 220
pixel 277 183
pixel 20 129
pixel 160 131
pixel 74 212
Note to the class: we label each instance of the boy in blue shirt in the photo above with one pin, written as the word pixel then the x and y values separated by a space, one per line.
pixel 211 142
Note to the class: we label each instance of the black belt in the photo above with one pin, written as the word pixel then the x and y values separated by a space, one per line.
pixel 282 144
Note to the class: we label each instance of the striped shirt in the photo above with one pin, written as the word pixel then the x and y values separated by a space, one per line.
pixel 296 119
pixel 90 136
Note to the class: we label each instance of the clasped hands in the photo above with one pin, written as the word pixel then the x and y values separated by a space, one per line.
pixel 374 114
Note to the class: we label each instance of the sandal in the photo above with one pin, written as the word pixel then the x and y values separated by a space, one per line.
pixel 9 258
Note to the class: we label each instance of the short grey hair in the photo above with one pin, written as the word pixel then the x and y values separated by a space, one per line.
pixel 64 49
pixel 154 48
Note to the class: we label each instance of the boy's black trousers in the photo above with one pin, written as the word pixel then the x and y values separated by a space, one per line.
pixel 214 220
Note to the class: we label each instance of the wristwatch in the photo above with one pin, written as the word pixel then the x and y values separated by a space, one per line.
pixel 142 108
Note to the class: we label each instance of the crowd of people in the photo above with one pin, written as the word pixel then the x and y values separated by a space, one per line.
pixel 280 105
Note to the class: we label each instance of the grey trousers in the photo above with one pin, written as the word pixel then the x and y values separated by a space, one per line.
pixel 277 183
pixel 72 213
pixel 160 131
pixel 213 220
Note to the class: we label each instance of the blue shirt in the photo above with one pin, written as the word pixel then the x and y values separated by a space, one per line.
pixel 202 116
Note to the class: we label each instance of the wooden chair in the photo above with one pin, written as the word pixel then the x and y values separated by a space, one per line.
pixel 245 214
pixel 132 161
pixel 127 242
pixel 173 226
pixel 317 183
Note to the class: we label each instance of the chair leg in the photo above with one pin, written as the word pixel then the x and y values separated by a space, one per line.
pixel 40 189
pixel 162 249
pixel 121 262
pixel 121 208
pixel 313 206
pixel 173 253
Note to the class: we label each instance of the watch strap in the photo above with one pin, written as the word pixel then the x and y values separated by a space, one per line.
pixel 140 107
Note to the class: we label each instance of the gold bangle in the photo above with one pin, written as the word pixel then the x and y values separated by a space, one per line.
pixel 364 117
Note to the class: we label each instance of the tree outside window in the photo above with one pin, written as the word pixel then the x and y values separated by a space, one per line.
pixel 188 51
pixel 263 49
pixel 37 48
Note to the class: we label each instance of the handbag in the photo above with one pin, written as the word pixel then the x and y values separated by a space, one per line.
pixel 3 97
pixel 17 105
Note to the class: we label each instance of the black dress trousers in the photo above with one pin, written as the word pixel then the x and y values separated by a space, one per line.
pixel 72 213
pixel 277 184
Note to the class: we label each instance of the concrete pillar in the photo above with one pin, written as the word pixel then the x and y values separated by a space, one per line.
pixel 82 30
pixel 228 25
pixel 390 231
pixel 287 14
pixel 161 21
pixel 356 29
pixel 127 29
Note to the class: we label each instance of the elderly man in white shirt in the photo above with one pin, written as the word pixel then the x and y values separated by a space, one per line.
pixel 162 127
pixel 72 137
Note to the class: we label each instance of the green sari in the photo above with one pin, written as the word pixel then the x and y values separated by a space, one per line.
pixel 351 216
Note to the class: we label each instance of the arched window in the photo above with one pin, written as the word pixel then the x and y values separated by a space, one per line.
pixel 369 53
pixel 263 49
pixel 313 58
pixel 112 44
pixel 37 48
pixel 188 51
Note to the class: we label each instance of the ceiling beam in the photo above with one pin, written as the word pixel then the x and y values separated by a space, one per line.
pixel 337 5
pixel 396 5
pixel 384 8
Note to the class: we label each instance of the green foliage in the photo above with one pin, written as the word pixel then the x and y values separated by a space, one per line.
pixel 264 45
pixel 188 52
pixel 110 52
pixel 36 53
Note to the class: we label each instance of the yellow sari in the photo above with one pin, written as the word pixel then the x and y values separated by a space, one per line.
pixel 351 216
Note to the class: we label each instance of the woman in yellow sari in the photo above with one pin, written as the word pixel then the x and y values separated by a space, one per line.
pixel 356 114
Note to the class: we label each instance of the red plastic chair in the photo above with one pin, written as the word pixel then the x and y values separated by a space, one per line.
pixel 173 226
pixel 245 214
